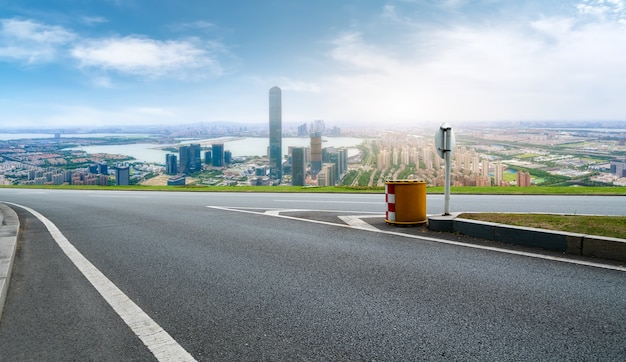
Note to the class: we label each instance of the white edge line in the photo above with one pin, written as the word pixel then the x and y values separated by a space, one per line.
pixel 160 343
pixel 442 241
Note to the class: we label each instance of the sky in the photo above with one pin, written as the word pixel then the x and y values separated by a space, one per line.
pixel 94 63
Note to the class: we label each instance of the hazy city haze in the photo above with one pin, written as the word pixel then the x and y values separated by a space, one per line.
pixel 68 63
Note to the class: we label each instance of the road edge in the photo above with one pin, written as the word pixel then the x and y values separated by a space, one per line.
pixel 9 227
pixel 569 243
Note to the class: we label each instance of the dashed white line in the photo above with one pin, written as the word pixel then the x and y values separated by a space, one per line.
pixel 158 341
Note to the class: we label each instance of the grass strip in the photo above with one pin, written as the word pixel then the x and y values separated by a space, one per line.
pixel 611 226
pixel 458 190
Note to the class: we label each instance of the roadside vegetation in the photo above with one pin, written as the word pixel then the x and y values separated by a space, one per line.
pixel 611 226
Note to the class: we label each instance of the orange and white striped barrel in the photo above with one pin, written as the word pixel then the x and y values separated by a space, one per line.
pixel 390 197
pixel 406 202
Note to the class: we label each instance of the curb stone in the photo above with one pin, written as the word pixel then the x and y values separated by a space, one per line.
pixel 9 227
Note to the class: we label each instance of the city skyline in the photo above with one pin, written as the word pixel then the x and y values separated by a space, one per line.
pixel 94 64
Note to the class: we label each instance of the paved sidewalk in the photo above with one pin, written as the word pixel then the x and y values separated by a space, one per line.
pixel 9 227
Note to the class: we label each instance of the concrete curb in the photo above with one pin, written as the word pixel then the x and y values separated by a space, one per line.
pixel 9 227
pixel 570 243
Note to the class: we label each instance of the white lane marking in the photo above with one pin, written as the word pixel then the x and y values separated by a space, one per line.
pixel 279 210
pixel 356 222
pixel 119 196
pixel 160 343
pixel 331 201
pixel 443 241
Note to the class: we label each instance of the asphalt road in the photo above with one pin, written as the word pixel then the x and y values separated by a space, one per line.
pixel 230 285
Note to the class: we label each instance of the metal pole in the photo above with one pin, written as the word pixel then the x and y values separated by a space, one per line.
pixel 446 209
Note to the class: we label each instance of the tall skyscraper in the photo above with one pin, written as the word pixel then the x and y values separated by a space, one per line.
pixel 185 159
pixel 171 166
pixel 195 160
pixel 217 151
pixel 316 153
pixel 298 161
pixel 276 136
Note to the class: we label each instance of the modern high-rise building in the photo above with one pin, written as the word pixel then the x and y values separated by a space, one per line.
pixel 228 157
pixel 276 136
pixel 316 153
pixel 298 161
pixel 184 158
pixel 217 152
pixel 103 168
pixel 195 158
pixel 171 164
pixel 122 175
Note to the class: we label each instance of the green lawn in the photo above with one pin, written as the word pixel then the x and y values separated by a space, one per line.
pixel 611 226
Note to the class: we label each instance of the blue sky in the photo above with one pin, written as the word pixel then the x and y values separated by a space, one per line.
pixel 93 63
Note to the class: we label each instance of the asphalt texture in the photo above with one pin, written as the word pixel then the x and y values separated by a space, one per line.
pixel 244 286
pixel 53 313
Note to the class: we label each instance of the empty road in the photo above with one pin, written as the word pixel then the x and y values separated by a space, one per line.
pixel 211 276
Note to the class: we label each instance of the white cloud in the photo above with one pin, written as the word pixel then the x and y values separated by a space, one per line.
pixel 603 9
pixel 145 57
pixel 551 68
pixel 350 49
pixel 32 42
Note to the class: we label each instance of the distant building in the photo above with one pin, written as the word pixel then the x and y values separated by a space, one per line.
pixel 298 161
pixel 618 167
pixel 122 175
pixel 184 155
pixel 337 157
pixel 179 180
pixel 261 171
pixel 190 159
pixel 171 164
pixel 217 152
pixel 316 153
pixel 498 175
pixel 103 168
pixel 208 157
pixel 228 157
pixel 195 157
pixel 523 179
pixel 318 126
pixel 302 130
pixel 326 177
pixel 276 152
pixel 104 180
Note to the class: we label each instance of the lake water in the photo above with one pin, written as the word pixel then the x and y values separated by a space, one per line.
pixel 239 147
pixel 19 136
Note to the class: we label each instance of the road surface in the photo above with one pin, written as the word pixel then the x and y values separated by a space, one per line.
pixel 226 279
